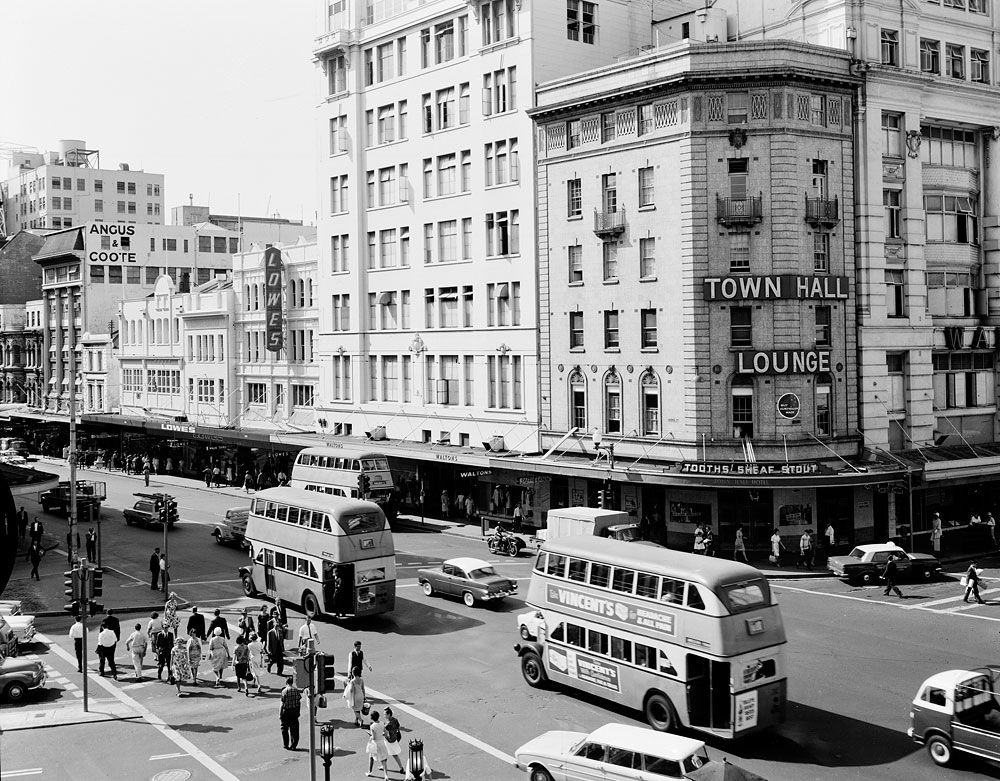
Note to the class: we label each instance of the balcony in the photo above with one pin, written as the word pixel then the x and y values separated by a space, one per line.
pixel 739 211
pixel 332 41
pixel 822 211
pixel 609 224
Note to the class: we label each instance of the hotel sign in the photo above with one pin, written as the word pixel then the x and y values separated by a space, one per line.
pixel 273 316
pixel 773 287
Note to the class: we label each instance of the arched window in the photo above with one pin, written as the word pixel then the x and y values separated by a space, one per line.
pixel 578 400
pixel 649 403
pixel 613 402
pixel 824 405
pixel 742 403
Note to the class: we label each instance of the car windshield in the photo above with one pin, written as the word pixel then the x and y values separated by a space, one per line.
pixel 857 553
pixel 482 573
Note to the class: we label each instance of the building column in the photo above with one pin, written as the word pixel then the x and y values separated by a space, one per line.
pixel 990 223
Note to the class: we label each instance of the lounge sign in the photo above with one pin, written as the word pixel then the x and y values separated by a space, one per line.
pixel 274 319
pixel 776 286
pixel 782 361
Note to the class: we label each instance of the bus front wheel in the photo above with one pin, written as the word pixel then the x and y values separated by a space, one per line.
pixel 248 587
pixel 659 712
pixel 532 670
pixel 310 605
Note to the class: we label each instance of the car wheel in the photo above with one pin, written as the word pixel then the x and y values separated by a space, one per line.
pixel 468 599
pixel 310 605
pixel 927 574
pixel 539 773
pixel 525 634
pixel 128 521
pixel 659 712
pixel 939 748
pixel 866 578
pixel 15 691
pixel 248 587
pixel 428 588
pixel 218 537
pixel 532 670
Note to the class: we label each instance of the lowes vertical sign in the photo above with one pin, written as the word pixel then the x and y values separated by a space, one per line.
pixel 272 299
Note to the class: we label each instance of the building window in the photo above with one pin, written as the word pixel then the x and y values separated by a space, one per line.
pixel 893 213
pixel 647 258
pixel 607 127
pixel 948 146
pixel 895 367
pixel 574 198
pixel 611 333
pixel 742 403
pixel 890 47
pixel 821 252
pixel 341 312
pixel 505 378
pixel 951 218
pixel 648 325
pixel 930 56
pixel 979 66
pixel 955 61
pixel 499 91
pixel 824 326
pixel 336 70
pixel 581 21
pixel 824 405
pixel 610 260
pixel 646 119
pixel 739 251
pixel 613 403
pixel 502 234
pixel 740 326
pixel 497 19
pixel 649 388
pixel 736 108
pixel 895 299
pixel 339 201
pixel 892 135
pixel 575 257
pixel 256 393
pixel 501 162
pixel 578 400
pixel 609 192
pixel 646 192
pixel 573 134
pixel 576 330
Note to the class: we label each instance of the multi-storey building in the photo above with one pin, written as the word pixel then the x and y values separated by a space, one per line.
pixel 252 230
pixel 928 234
pixel 68 187
pixel 34 383
pixel 427 222
pixel 13 354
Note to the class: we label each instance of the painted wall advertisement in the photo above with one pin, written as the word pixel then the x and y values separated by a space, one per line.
pixel 274 321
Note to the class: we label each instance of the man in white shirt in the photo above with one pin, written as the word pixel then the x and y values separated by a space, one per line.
pixel 76 633
pixel 137 644
pixel 106 642
pixel 308 632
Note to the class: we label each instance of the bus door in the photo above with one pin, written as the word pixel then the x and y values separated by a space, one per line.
pixel 270 586
pixel 708 693
pixel 338 588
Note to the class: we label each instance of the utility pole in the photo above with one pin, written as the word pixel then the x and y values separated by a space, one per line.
pixel 72 427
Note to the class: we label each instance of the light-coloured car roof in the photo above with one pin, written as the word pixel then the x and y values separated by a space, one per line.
pixel 468 563
pixel 646 741
pixel 877 547
pixel 948 679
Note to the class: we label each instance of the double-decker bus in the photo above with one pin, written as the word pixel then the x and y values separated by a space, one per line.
pixel 689 640
pixel 326 554
pixel 329 471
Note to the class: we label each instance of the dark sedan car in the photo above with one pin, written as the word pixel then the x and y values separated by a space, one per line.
pixel 866 563
pixel 471 579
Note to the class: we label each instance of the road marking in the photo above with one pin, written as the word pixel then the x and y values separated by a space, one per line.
pixel 155 721
pixel 922 606
pixel 205 582
pixel 175 755
pixel 32 771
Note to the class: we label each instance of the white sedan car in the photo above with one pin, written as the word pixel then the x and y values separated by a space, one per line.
pixel 528 624
pixel 10 607
pixel 619 752
pixel 23 627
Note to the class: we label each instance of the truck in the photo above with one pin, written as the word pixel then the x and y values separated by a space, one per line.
pixel 958 711
pixel 87 492
pixel 590 521
pixel 148 511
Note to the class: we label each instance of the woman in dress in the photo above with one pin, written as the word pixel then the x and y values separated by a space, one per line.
pixel 393 738
pixel 376 748
pixel 256 649
pixel 776 547
pixel 699 540
pixel 194 655
pixel 170 618
pixel 741 548
pixel 354 693
pixel 180 666
pixel 218 655
pixel 241 665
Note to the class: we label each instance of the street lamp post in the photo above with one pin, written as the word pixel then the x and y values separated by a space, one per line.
pixel 326 747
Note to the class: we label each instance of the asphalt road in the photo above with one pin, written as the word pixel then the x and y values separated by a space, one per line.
pixel 855 658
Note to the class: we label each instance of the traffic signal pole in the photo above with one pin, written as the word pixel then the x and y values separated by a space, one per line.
pixel 71 368
pixel 84 609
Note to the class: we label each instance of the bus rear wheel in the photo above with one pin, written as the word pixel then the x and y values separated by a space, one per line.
pixel 659 712
pixel 532 670
pixel 310 605
pixel 248 587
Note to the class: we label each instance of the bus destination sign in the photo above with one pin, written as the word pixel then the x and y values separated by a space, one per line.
pixel 623 613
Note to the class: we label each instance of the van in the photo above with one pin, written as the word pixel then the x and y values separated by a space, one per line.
pixel 590 521
pixel 234 527
pixel 958 712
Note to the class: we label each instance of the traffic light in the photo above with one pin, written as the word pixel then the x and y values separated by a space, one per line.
pixel 171 510
pixel 72 584
pixel 300 665
pixel 96 608
pixel 96 583
pixel 601 498
pixel 366 485
pixel 326 677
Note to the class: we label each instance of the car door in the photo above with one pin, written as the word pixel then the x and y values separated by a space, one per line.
pixel 459 581
pixel 905 568
pixel 447 579
pixel 585 764
pixel 621 764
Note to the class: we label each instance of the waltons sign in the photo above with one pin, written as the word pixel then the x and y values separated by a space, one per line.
pixel 775 287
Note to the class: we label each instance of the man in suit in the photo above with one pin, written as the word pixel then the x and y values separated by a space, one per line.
pixel 275 647
pixel 154 569
pixel 196 621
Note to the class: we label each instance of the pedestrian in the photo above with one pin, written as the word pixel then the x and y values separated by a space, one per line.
pixel 518 517
pixel 91 541
pixel 113 623
pixel 218 622
pixel 806 549
pixel 974 519
pixel 22 523
pixel 36 531
pixel 936 532
pixel 246 623
pixel 69 545
pixel 709 538
pixel 354 694
pixel 991 524
pixel 196 623
pixel 973 579
pixel 164 645
pixel 154 569
pixel 35 553
pixel 393 738
pixel 275 645
pixel 357 658
pixel 170 465
pixel 180 665
pixel 248 484
pixel 829 538
pixel 699 540
pixel 218 655
pixel 207 472
pixel 291 704
pixel 171 621
pixel 740 546
pixel 156 465
pixel 137 644
pixel 889 575
pixel 307 632
pixel 76 634
pixel 194 654
pixel 376 748
pixel 164 577
pixel 229 474
pixel 145 473
pixel 470 509
pixel 154 627
pixel 263 623
pixel 256 649
pixel 106 642
pixel 445 505
pixel 241 665
pixel 217 476
pixel 776 547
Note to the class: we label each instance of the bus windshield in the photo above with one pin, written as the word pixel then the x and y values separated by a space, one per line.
pixel 745 596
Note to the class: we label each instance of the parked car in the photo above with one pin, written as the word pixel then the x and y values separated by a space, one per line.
pixel 10 607
pixel 14 459
pixel 23 627
pixel 866 563
pixel 958 711
pixel 19 676
pixel 146 512
pixel 621 752
pixel 471 579
pixel 528 624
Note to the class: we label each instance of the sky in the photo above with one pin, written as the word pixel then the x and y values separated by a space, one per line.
pixel 216 95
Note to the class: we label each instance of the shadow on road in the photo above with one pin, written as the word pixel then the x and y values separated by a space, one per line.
pixel 202 728
pixel 413 618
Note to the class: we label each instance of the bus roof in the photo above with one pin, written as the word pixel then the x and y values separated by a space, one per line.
pixel 316 500
pixel 664 561
pixel 339 452
pixel 646 741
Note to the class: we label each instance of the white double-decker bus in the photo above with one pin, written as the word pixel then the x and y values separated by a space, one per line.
pixel 328 470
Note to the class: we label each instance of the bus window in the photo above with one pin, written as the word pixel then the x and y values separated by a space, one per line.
pixel 540 561
pixel 312 570
pixel 694 598
pixel 744 596
pixel 279 560
pixel 666 666
pixel 645 656
pixel 577 570
pixel 270 510
pixel 557 633
pixel 260 556
pixel 556 565
pixel 623 580
pixel 647 585
pixel 574 635
pixel 281 513
pixel 597 642
pixel 304 517
pixel 326 523
pixel 316 522
pixel 672 591
pixel 621 649
pixel 593 751
pixel 600 575
pixel 293 515
pixel 302 567
pixel 355 465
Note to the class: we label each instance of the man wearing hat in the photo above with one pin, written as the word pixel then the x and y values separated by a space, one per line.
pixel 91 544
